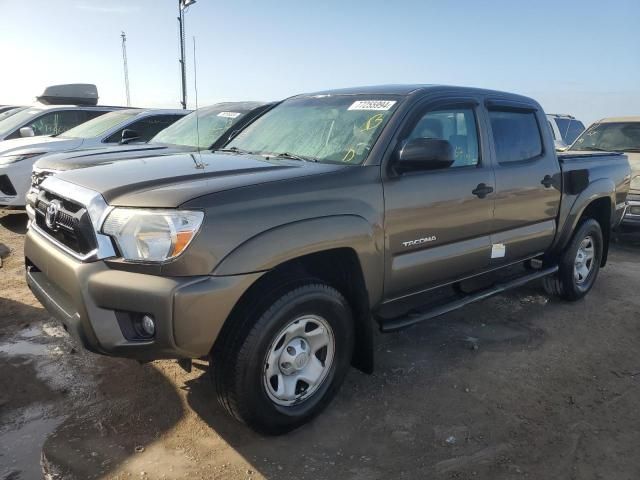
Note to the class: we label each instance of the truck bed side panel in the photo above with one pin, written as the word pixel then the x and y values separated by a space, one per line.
pixel 585 178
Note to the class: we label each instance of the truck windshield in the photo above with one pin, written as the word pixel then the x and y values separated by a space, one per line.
pixel 325 128
pixel 99 125
pixel 200 129
pixel 611 137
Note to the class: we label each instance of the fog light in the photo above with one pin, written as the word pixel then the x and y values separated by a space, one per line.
pixel 634 210
pixel 148 326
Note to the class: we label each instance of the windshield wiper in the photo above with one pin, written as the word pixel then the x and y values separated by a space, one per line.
pixel 235 150
pixel 290 156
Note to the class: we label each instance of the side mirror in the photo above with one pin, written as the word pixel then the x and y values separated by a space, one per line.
pixel 27 132
pixel 424 154
pixel 129 135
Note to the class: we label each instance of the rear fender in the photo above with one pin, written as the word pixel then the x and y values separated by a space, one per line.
pixel 602 188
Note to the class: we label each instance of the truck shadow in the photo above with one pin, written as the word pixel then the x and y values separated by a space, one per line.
pixel 76 412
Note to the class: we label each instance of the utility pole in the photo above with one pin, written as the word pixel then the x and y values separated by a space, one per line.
pixel 182 6
pixel 126 67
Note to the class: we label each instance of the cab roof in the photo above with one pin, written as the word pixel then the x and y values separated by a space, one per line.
pixel 405 90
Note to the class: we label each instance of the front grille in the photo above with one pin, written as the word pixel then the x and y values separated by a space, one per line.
pixel 71 224
pixel 6 186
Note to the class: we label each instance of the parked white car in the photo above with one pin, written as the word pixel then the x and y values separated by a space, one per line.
pixel 11 111
pixel 6 108
pixel 40 120
pixel 122 126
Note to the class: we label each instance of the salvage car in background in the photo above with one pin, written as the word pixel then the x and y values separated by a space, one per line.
pixel 61 107
pixel 617 134
pixel 275 255
pixel 206 129
pixel 565 129
pixel 47 120
pixel 10 108
pixel 18 156
pixel 11 111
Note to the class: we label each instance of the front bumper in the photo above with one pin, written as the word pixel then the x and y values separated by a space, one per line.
pixel 632 211
pixel 15 181
pixel 94 302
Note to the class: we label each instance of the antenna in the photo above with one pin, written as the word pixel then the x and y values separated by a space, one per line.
pixel 195 88
pixel 199 163
pixel 126 67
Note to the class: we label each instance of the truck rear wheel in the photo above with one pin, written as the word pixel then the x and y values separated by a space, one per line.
pixel 282 363
pixel 579 264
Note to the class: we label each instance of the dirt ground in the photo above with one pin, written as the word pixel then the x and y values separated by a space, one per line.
pixel 518 386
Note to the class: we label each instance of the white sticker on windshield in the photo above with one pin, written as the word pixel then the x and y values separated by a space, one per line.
pixel 229 114
pixel 372 105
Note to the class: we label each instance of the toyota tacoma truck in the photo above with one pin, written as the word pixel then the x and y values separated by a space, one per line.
pixel 332 214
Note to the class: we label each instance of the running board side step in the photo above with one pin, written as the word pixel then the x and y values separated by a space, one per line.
pixel 394 324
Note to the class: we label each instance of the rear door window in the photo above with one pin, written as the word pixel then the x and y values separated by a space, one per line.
pixel 516 135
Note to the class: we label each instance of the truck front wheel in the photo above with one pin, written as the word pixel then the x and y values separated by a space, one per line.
pixel 281 363
pixel 579 264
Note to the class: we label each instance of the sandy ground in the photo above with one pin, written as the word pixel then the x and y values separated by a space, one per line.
pixel 518 386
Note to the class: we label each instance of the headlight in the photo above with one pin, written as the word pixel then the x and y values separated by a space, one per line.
pixel 149 235
pixel 7 159
pixel 635 183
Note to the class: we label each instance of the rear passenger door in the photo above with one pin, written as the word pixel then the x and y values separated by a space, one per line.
pixel 528 182
pixel 438 222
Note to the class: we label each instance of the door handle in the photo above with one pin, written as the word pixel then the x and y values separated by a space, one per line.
pixel 547 181
pixel 482 190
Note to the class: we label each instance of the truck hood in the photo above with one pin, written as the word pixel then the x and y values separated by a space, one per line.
pixel 168 181
pixel 105 155
pixel 38 145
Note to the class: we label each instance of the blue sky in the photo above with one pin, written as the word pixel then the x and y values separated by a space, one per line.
pixel 578 57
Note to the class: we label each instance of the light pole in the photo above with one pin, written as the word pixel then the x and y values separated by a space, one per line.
pixel 126 67
pixel 182 6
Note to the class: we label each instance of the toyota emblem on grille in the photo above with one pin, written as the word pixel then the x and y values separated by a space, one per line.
pixel 52 214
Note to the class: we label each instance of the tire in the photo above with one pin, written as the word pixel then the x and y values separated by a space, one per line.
pixel 576 275
pixel 266 370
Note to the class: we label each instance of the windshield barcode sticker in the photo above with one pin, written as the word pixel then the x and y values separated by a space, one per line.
pixel 372 105
pixel 229 114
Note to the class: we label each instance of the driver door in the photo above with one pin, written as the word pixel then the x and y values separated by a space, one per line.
pixel 438 222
